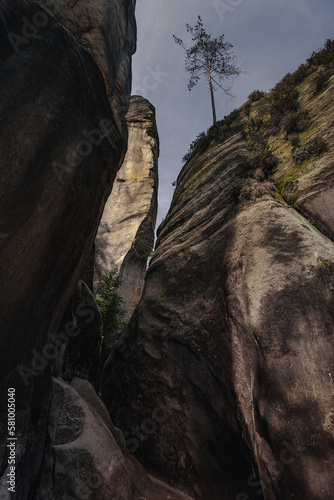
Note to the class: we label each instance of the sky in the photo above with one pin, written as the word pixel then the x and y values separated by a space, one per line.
pixel 270 38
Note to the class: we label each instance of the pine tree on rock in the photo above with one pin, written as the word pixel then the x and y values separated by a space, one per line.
pixel 209 57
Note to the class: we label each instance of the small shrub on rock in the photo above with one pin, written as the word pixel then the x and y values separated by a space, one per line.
pixel 273 129
pixel 235 191
pixel 318 146
pixel 256 95
pixel 242 192
pixel 259 175
pixel 296 122
pixel 255 125
pixel 111 306
pixel 315 147
pixel 194 147
pixel 263 188
pixel 329 45
pixel 290 192
pixel 219 131
pixel 301 154
pixel 285 96
pixel 246 193
pixel 321 81
pixel 301 73
pixel 322 57
pixel 294 139
pixel 247 107
pixel 261 157
pixel 253 189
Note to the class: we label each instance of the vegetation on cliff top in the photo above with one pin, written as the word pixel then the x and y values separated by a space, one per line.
pixel 281 117
pixel 209 57
pixel 220 131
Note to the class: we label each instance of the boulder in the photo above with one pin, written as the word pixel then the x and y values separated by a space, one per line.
pixel 86 456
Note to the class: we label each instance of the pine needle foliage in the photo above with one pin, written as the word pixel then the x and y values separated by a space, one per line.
pixel 111 306
pixel 211 58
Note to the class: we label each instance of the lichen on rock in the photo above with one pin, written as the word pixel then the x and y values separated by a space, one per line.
pixel 126 232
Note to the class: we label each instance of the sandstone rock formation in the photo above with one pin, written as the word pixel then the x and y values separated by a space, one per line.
pixel 126 232
pixel 79 339
pixel 234 331
pixel 314 183
pixel 56 173
pixel 223 382
pixel 108 29
pixel 61 145
pixel 81 438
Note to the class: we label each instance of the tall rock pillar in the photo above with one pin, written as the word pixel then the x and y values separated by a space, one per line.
pixel 126 232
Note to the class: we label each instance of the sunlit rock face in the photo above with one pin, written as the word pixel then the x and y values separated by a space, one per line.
pixel 234 331
pixel 61 145
pixel 126 232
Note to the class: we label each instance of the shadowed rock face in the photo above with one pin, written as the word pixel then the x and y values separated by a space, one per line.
pixel 56 173
pixel 126 232
pixel 108 29
pixel 79 342
pixel 223 382
pixel 234 334
pixel 93 448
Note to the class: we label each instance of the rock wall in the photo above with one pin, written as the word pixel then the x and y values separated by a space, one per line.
pixel 126 232
pixel 88 459
pixel 107 28
pixel 79 346
pixel 223 382
pixel 234 331
pixel 61 146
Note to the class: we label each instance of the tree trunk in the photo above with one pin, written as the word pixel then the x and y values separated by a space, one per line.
pixel 212 98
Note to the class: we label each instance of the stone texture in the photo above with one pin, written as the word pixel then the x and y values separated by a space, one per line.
pixel 86 456
pixel 53 98
pixel 108 29
pixel 234 333
pixel 79 338
pixel 126 232
pixel 314 182
pixel 51 198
